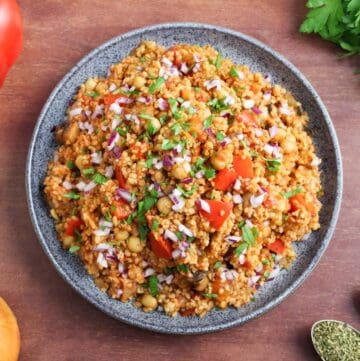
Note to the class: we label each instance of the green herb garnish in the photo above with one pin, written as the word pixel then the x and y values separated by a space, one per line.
pixel 248 235
pixel 209 173
pixel 210 295
pixel 167 144
pixel 70 164
pixel 208 121
pixel 92 94
pixel 155 225
pixel 290 194
pixel 174 108
pixel 188 193
pixel 156 85
pixel 147 116
pixel 218 61
pixel 182 268
pixel 273 165
pixel 153 285
pixel 241 248
pixel 217 265
pixel 88 171
pixel 220 136
pixel 121 131
pixel 99 178
pixel 234 72
pixel 74 249
pixel 72 195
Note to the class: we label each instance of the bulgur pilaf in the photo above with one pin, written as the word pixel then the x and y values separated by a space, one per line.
pixel 182 179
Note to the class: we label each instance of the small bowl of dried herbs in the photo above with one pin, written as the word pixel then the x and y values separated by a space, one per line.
pixel 336 341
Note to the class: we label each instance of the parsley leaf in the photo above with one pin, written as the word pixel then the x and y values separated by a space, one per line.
pixel 156 85
pixel 241 248
pixel 174 108
pixel 210 295
pixel 74 249
pixel 155 225
pixel 72 195
pixel 272 165
pixel 290 194
pixel 218 61
pixel 153 285
pixel 92 94
pixel 209 173
pixel 88 171
pixel 182 268
pixel 220 136
pixel 188 193
pixel 99 178
pixel 234 72
pixel 248 235
pixel 217 265
pixel 167 144
pixel 70 164
pixel 208 121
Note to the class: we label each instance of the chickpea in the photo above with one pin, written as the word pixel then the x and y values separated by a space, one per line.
pixel 121 235
pixel 90 84
pixel 179 170
pixel 82 161
pixel 289 144
pixel 221 159
pixel 139 82
pixel 149 302
pixel 164 205
pixel 135 245
pixel 71 133
pixel 153 125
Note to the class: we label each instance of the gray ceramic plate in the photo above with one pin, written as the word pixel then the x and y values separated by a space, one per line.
pixel 242 49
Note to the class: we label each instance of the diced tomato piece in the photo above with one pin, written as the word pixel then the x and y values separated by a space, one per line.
pixel 73 224
pixel 243 167
pixel 160 246
pixel 297 202
pixel 224 179
pixel 247 264
pixel 122 210
pixel 248 118
pixel 277 247
pixel 187 312
pixel 111 98
pixel 120 177
pixel 219 212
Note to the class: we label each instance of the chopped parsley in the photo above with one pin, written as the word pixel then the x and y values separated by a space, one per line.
pixel 290 194
pixel 143 59
pixel 266 274
pixel 70 164
pixel 266 262
pixel 126 92
pixel 182 268
pixel 92 94
pixel 156 85
pixel 241 224
pixel 217 265
pixel 72 195
pixel 88 171
pixel 74 249
pixel 209 173
pixel 155 225
pixel 121 131
pixel 208 121
pixel 210 295
pixel 218 61
pixel 234 72
pixel 220 136
pixel 153 285
pixel 151 129
pixel 174 108
pixel 248 235
pixel 176 128
pixel 163 118
pixel 273 165
pixel 241 248
pixel 167 144
pixel 107 216
pixel 147 116
pixel 218 104
pixel 188 193
pixel 99 178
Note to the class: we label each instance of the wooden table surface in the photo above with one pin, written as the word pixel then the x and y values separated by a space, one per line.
pixel 55 322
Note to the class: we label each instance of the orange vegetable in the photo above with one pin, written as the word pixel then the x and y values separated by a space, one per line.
pixel 120 177
pixel 109 99
pixel 243 167
pixel 122 210
pixel 73 224
pixel 160 246
pixel 187 312
pixel 298 201
pixel 197 127
pixel 224 179
pixel 277 247
pixel 247 118
pixel 217 285
pixel 247 264
pixel 219 212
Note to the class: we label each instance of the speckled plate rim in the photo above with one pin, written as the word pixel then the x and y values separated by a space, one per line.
pixel 296 283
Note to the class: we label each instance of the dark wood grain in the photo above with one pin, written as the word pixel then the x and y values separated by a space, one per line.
pixel 56 323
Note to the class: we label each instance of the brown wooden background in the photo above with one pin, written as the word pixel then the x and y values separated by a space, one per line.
pixel 56 323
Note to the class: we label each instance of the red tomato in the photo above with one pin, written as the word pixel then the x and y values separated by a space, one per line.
pixel 243 167
pixel 122 210
pixel 277 247
pixel 219 211
pixel 224 179
pixel 11 36
pixel 73 224
pixel 120 177
pixel 160 246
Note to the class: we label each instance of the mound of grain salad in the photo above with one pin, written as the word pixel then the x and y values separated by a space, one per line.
pixel 182 179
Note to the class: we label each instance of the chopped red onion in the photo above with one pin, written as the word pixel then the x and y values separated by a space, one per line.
pixel 145 100
pixel 99 110
pixel 259 268
pixel 237 184
pixel 67 185
pixel 170 235
pixel 102 232
pixel 253 280
pixel 162 104
pixel 116 152
pixel 186 104
pixel 211 84
pixel 176 253
pixel 267 77
pixel 178 201
pixel 237 199
pixel 121 267
pixel 284 109
pixel 167 62
pixel 96 157
pixel 249 223
pixel 109 171
pixel 187 180
pixel 102 247
pixel 258 132
pixel 116 108
pixel 316 162
pixel 119 292
pixel 112 87
pixel 124 194
pixel 226 141
pixel 114 137
pixel 204 205
pixel 256 110
pixel 158 164
pixel 90 186
pixel 74 112
pixel 240 136
pixel 167 162
pixel 257 201
pixel 232 239
pixel 105 224
pixel 184 68
pixel 114 123
pixel 149 272
pixel 81 186
pixel 111 257
pixel 199 174
pixel 242 258
pixel 86 126
pixel 229 100
pixel 183 229
pixel 248 103
pixel 101 261
pixel 124 100
pixel 225 113
pixel 268 148
pixel 210 132
pixel 273 131
pixel 197 58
